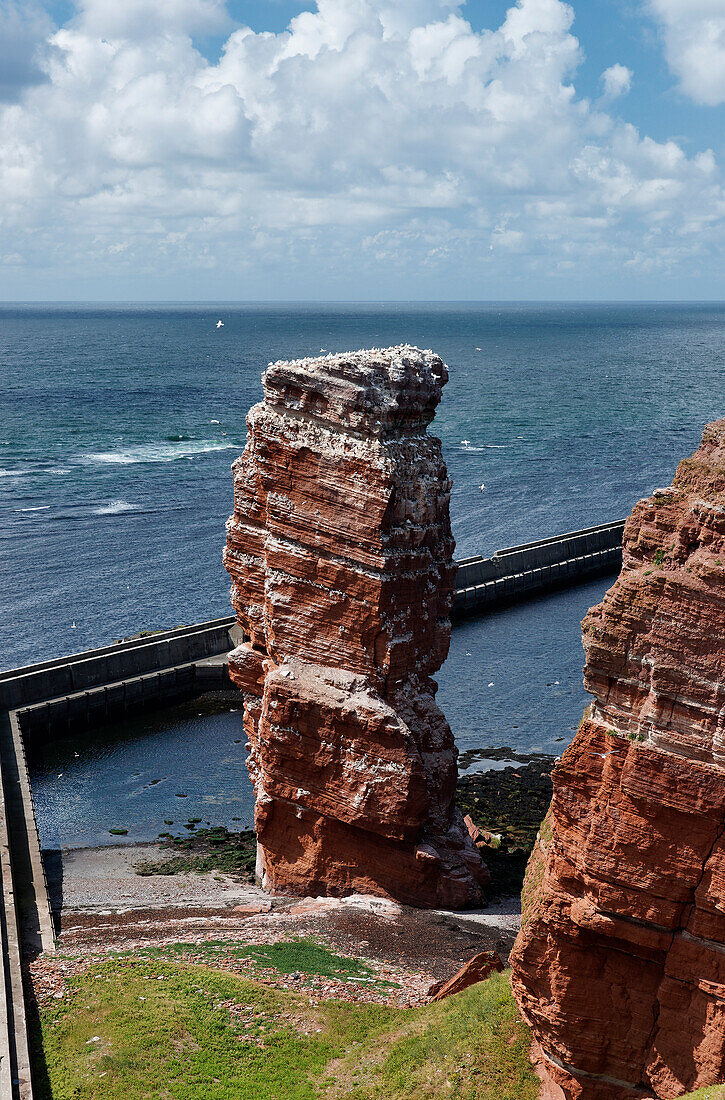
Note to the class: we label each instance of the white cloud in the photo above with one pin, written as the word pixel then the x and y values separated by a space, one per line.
pixel 370 129
pixel 694 34
pixel 617 80
pixel 139 20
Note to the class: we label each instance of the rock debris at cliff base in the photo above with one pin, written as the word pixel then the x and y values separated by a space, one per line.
pixel 620 964
pixel 340 553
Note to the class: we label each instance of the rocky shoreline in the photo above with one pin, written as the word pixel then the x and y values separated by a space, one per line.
pixel 200 887
pixel 507 805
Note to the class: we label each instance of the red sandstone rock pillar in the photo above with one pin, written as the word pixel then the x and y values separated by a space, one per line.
pixel 340 551
pixel 620 963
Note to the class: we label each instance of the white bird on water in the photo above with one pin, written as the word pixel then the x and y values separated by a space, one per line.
pixel 465 442
pixel 73 625
pixel 220 324
pixel 482 486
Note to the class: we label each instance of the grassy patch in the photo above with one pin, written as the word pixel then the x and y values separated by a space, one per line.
pixel 712 1092
pixel 215 849
pixel 141 1028
pixel 138 1030
pixel 470 1047
pixel 475 1041
pixel 298 956
pixel 304 956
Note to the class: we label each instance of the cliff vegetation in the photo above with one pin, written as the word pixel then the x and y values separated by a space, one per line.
pixel 143 1026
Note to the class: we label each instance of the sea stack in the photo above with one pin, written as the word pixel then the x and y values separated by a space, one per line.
pixel 619 967
pixel 340 553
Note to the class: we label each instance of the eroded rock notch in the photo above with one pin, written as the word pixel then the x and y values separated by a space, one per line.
pixel 340 553
pixel 620 963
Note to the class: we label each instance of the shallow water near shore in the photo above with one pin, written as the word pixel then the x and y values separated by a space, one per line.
pixel 185 764
pixel 154 773
pixel 514 675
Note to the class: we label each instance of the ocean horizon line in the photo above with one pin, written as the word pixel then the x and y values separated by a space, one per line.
pixel 10 303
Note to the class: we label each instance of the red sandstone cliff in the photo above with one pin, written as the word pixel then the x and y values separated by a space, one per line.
pixel 340 551
pixel 620 963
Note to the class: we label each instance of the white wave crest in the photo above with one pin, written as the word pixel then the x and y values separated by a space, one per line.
pixel 114 508
pixel 486 447
pixel 38 508
pixel 156 452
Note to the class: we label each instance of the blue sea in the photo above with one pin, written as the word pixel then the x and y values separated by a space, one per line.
pixel 119 424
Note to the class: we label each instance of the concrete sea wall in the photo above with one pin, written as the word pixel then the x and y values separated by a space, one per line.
pixel 102 684
pixel 537 567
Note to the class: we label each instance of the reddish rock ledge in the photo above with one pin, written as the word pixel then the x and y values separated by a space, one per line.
pixel 619 967
pixel 340 553
pixel 477 969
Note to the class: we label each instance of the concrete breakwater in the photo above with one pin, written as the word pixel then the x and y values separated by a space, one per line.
pixel 99 685
pixel 537 567
pixel 26 925
pixel 95 686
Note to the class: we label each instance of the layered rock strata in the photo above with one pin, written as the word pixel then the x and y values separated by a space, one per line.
pixel 340 551
pixel 620 964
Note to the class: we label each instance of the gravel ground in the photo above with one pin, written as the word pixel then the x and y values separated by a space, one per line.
pixel 105 906
pixel 104 878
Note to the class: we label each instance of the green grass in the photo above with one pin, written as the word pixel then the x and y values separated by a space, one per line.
pixel 175 1031
pixel 471 1047
pixel 307 957
pixel 298 956
pixel 712 1092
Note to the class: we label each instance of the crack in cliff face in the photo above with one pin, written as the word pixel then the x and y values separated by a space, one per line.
pixel 345 587
pixel 617 967
pixel 605 1078
pixel 645 1082
pixel 681 930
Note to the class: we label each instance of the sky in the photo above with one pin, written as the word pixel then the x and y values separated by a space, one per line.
pixel 362 149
